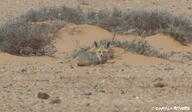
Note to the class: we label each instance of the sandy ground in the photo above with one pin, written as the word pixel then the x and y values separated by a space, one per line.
pixel 127 83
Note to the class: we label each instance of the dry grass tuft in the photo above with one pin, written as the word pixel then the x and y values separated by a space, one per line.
pixel 139 46
pixel 28 39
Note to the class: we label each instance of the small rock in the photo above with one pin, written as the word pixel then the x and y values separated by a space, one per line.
pixel 88 104
pixel 61 62
pixel 2 69
pixel 158 79
pixel 88 94
pixel 102 91
pixel 168 68
pixel 160 85
pixel 24 70
pixel 126 65
pixel 122 70
pixel 71 66
pixel 87 72
pixel 122 92
pixel 42 95
pixel 55 101
pixel 137 97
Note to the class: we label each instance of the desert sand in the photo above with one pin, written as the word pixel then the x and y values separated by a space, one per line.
pixel 128 83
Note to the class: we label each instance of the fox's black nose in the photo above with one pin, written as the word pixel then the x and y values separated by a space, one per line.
pixel 101 54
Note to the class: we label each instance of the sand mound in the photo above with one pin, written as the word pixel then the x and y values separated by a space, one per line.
pixel 166 43
pixel 73 36
pixel 128 58
pixel 127 37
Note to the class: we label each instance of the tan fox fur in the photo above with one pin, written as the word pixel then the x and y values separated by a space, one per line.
pixel 102 53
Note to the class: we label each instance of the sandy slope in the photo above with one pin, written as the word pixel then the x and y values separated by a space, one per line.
pixel 167 43
pixel 73 37
pixel 128 83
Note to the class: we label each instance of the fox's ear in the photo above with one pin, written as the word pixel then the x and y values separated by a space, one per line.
pixel 95 44
pixel 108 44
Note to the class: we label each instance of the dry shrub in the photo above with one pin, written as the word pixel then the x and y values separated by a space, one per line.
pixel 28 39
pixel 139 46
pixel 69 15
pixel 121 21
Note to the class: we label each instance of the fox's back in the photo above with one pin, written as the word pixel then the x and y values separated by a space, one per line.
pixel 88 58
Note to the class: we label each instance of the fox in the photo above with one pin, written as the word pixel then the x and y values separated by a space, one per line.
pixel 100 55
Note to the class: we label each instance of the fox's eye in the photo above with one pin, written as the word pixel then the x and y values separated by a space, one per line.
pixel 99 51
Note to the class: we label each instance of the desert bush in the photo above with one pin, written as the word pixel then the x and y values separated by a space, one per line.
pixel 121 21
pixel 181 34
pixel 148 23
pixel 28 39
pixel 139 46
pixel 69 15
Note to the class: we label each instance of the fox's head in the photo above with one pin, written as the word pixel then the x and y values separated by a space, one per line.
pixel 102 49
